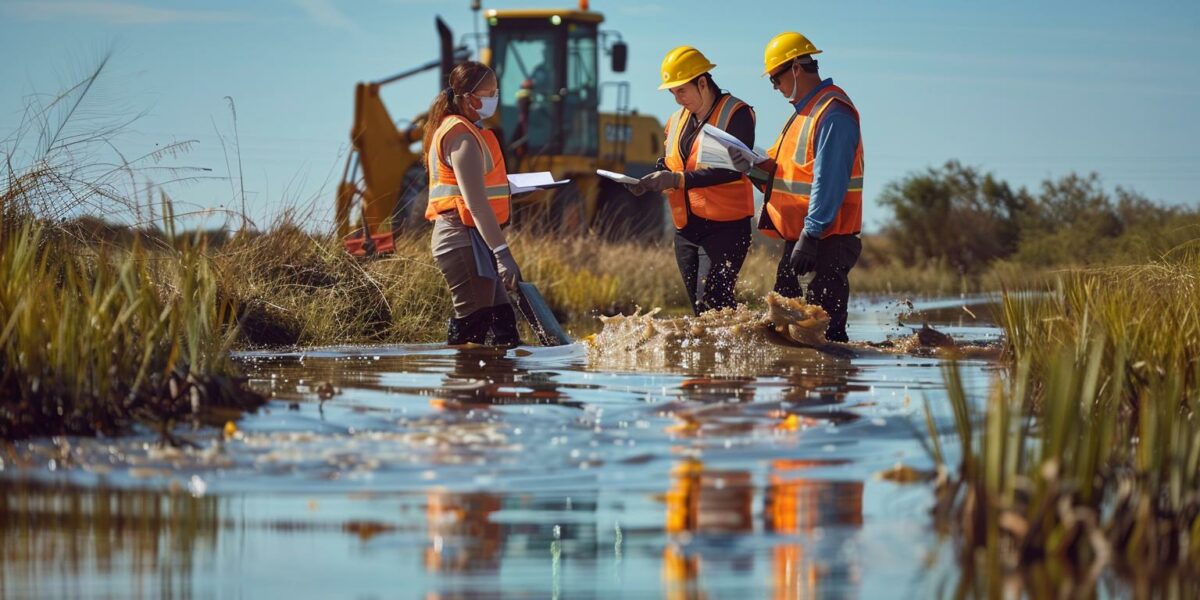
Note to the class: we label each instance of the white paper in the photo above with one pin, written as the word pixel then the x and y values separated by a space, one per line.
pixel 519 183
pixel 618 177
pixel 715 145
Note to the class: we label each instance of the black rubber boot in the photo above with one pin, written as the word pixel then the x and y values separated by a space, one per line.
pixel 472 328
pixel 504 327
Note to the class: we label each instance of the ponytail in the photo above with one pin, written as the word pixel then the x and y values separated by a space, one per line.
pixel 463 79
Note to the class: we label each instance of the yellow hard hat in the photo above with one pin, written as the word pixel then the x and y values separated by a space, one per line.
pixel 682 65
pixel 783 48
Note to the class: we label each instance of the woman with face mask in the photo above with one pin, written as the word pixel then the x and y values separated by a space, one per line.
pixel 711 208
pixel 468 204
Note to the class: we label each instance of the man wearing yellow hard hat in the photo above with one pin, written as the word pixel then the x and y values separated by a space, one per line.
pixel 711 207
pixel 812 181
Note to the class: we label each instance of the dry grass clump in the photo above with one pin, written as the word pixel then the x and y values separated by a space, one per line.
pixel 296 287
pixel 292 287
pixel 97 341
pixel 585 276
pixel 1088 454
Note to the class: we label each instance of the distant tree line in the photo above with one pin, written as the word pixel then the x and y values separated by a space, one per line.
pixel 959 217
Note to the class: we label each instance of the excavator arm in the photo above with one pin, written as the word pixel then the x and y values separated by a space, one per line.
pixel 379 173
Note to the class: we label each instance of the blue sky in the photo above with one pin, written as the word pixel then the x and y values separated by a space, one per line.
pixel 1025 89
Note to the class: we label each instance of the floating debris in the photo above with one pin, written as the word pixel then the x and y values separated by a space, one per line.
pixel 902 473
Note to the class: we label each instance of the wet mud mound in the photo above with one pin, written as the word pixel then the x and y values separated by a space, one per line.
pixel 732 340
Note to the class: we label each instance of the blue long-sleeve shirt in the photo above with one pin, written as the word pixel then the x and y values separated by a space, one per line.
pixel 837 142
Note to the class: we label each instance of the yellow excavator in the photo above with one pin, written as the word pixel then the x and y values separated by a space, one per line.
pixel 549 119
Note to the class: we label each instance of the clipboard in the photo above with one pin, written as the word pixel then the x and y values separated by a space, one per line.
pixel 618 177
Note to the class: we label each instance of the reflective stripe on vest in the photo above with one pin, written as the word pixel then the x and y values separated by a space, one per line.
pixel 444 192
pixel 791 186
pixel 724 202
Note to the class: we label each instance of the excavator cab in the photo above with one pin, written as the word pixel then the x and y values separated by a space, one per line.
pixel 547 65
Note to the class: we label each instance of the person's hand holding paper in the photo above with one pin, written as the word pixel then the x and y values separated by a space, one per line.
pixel 744 160
pixel 659 181
pixel 717 149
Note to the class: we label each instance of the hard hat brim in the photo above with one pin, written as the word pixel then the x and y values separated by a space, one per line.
pixel 780 63
pixel 674 83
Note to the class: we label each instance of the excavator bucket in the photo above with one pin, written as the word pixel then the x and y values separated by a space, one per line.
pixel 345 201
pixel 384 157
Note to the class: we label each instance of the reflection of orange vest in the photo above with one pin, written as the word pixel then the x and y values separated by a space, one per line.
pixel 725 202
pixel 444 193
pixel 794 153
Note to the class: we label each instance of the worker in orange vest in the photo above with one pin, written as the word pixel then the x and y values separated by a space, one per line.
pixel 468 203
pixel 711 207
pixel 812 181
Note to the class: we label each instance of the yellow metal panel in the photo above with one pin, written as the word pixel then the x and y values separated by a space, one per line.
pixel 639 136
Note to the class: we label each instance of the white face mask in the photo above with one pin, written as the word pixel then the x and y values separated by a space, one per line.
pixel 489 106
pixel 795 84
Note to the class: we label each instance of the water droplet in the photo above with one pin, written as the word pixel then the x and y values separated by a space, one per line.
pixel 197 486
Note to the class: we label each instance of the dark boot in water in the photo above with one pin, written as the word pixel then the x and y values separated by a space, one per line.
pixel 504 327
pixel 472 328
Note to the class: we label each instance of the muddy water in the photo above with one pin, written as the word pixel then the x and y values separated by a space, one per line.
pixel 435 473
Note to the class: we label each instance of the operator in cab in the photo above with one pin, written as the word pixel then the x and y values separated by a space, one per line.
pixel 468 204
pixel 711 207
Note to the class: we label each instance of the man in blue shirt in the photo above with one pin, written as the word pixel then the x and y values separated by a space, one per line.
pixel 827 187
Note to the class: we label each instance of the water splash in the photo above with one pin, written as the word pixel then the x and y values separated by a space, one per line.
pixel 728 341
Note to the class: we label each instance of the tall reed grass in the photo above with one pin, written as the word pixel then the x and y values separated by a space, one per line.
pixel 1087 454
pixel 94 340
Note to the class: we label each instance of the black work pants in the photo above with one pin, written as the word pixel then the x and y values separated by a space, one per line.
pixel 830 286
pixel 710 255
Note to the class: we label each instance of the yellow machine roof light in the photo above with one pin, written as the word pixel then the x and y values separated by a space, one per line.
pixel 578 16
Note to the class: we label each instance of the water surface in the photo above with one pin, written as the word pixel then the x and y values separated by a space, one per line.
pixel 436 473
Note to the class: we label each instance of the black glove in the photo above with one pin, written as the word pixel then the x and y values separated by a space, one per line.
pixel 741 162
pixel 507 268
pixel 636 189
pixel 804 255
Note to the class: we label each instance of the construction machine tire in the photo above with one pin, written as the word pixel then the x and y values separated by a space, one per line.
pixel 409 210
pixel 568 216
pixel 557 212
pixel 622 216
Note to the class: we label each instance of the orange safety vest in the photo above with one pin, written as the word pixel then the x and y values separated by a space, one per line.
pixel 787 195
pixel 444 193
pixel 725 202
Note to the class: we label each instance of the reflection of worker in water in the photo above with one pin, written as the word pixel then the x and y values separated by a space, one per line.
pixel 702 501
pixel 794 505
pixel 712 502
pixel 486 376
pixel 462 534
